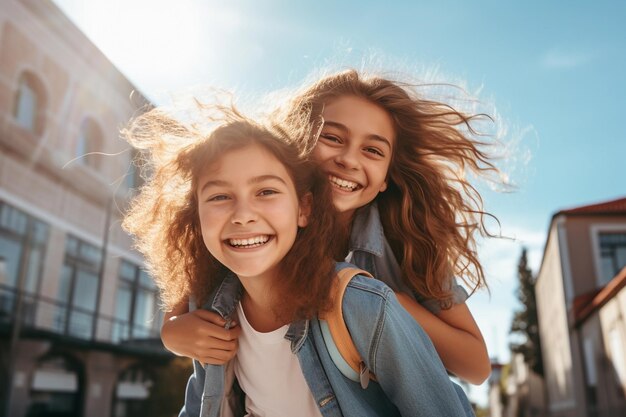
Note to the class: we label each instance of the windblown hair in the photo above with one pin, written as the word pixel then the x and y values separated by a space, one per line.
pixel 165 223
pixel 430 211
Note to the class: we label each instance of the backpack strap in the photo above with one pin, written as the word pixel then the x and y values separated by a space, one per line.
pixel 336 335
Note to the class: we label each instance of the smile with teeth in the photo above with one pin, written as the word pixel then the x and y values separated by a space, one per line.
pixel 251 242
pixel 343 184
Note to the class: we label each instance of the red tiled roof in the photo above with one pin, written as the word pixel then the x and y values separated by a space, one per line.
pixel 582 301
pixel 614 206
pixel 586 304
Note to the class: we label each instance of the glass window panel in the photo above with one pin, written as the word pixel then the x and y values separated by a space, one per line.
pixel 40 232
pixel 121 331
pixel 620 254
pixel 65 283
pixel 144 312
pixel 607 270
pixel 32 273
pixel 127 271
pixel 81 324
pixel 19 222
pixel 44 403
pixel 26 107
pixel 90 254
pixel 71 246
pixel 14 220
pixel 10 253
pixel 89 141
pixel 85 290
pixel 4 215
pixel 146 280
pixel 123 301
pixel 131 177
pixel 81 146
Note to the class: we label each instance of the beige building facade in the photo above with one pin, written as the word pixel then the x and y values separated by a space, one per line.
pixel 581 314
pixel 79 319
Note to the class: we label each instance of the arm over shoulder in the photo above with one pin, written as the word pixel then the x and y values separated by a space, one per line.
pixel 399 352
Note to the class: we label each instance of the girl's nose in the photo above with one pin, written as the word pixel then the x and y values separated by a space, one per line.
pixel 347 158
pixel 243 214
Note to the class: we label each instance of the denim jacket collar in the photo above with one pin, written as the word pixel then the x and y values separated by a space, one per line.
pixel 225 302
pixel 367 231
pixel 226 297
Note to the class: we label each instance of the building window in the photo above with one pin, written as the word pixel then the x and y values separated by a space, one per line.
pixel 612 254
pixel 132 392
pixel 136 308
pixel 79 288
pixel 56 388
pixel 23 242
pixel 90 144
pixel 29 103
pixel 133 175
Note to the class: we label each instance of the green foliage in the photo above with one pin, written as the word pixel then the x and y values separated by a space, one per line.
pixel 481 412
pixel 525 322
pixel 168 392
pixel 503 383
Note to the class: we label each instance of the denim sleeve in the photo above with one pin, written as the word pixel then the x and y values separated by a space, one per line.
pixel 407 366
pixel 193 392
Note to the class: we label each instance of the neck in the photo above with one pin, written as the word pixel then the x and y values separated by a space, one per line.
pixel 345 218
pixel 345 222
pixel 257 304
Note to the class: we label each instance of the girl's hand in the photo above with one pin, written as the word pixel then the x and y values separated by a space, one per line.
pixel 200 335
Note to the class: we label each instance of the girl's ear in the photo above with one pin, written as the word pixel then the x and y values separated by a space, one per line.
pixel 304 210
pixel 383 187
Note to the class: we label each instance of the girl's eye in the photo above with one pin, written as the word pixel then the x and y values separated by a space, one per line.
pixel 219 197
pixel 267 192
pixel 330 138
pixel 374 151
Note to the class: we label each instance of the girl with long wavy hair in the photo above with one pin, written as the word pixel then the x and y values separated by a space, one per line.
pixel 397 162
pixel 242 221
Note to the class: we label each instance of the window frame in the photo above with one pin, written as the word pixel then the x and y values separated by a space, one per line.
pixel 29 241
pixel 136 287
pixel 89 143
pixel 78 262
pixel 35 85
pixel 596 231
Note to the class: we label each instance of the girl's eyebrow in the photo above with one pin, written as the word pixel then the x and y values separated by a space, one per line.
pixel 346 130
pixel 253 180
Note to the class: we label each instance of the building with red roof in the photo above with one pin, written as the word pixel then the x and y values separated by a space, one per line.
pixel 581 303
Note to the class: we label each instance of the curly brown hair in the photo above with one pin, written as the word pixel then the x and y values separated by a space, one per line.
pixel 165 223
pixel 431 211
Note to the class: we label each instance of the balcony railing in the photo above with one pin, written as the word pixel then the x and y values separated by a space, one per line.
pixel 41 313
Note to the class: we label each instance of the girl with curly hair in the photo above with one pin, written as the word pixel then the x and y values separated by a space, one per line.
pixel 397 164
pixel 242 221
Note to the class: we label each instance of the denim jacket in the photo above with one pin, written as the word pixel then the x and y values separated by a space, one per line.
pixel 411 380
pixel 370 250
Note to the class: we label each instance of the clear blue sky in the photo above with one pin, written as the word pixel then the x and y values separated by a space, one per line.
pixel 555 71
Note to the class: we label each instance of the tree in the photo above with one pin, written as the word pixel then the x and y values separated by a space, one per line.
pixel 525 322
pixel 168 393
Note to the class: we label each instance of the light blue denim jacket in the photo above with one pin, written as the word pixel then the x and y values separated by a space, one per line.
pixel 411 380
pixel 370 250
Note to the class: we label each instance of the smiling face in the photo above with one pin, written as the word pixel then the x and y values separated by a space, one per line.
pixel 249 211
pixel 354 150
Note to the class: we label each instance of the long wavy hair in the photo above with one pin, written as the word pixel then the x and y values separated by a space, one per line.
pixel 165 223
pixel 431 213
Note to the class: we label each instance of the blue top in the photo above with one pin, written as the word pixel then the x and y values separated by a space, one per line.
pixel 411 380
pixel 370 250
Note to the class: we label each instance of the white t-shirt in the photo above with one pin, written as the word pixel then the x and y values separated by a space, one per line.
pixel 270 374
